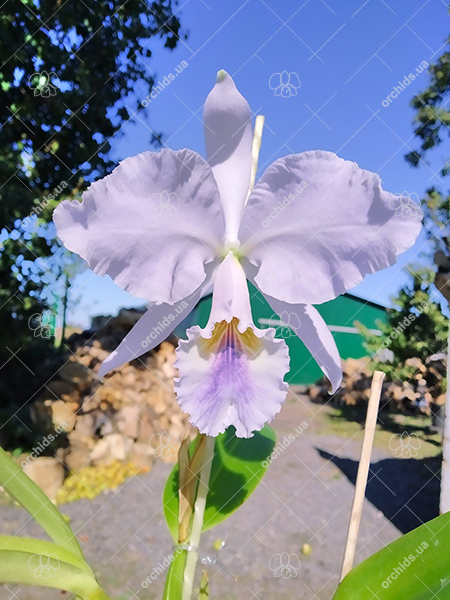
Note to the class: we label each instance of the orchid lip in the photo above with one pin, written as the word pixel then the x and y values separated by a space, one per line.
pixel 231 372
pixel 230 335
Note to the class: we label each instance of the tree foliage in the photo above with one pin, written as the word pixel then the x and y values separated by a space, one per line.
pixel 432 120
pixel 416 328
pixel 67 76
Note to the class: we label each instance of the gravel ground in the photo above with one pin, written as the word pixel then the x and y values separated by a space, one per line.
pixel 304 498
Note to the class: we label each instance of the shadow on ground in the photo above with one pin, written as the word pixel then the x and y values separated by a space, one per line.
pixel 392 422
pixel 405 490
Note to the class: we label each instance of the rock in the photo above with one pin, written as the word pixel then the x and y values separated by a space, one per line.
pixel 349 398
pixel 168 370
pixel 127 421
pixel 440 400
pixel 145 430
pixel 160 407
pixel 315 393
pixel 129 380
pixel 141 455
pixel 41 415
pixel 47 472
pixel 98 353
pixel 116 417
pixel 413 395
pixel 109 394
pixel 64 390
pixel 407 393
pixel 112 447
pixel 416 364
pixel 76 373
pixel 353 366
pixel 86 360
pixel 85 426
pixel 77 457
pixel 64 414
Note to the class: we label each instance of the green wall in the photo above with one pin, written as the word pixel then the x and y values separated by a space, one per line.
pixel 342 312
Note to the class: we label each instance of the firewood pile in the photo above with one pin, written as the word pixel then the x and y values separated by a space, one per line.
pixel 424 392
pixel 132 415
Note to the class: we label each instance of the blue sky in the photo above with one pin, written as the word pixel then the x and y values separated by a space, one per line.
pixel 348 57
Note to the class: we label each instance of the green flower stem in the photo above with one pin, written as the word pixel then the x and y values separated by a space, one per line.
pixel 197 523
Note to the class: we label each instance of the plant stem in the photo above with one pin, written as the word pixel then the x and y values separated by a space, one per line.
pixel 197 523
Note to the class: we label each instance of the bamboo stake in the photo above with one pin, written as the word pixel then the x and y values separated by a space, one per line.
pixel 363 472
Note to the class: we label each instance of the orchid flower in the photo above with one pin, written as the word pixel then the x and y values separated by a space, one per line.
pixel 164 225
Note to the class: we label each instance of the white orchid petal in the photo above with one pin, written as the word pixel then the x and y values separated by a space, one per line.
pixel 231 372
pixel 310 327
pixel 315 225
pixel 152 224
pixel 153 327
pixel 228 137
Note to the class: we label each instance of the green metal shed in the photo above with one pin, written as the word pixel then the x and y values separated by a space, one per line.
pixel 340 315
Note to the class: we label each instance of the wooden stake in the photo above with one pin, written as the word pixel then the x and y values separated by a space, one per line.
pixel 363 472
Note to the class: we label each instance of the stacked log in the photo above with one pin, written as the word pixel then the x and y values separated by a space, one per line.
pixel 424 392
pixel 127 416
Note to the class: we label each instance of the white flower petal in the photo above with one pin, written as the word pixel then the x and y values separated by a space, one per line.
pixel 152 328
pixel 310 327
pixel 152 224
pixel 315 225
pixel 228 137
pixel 231 372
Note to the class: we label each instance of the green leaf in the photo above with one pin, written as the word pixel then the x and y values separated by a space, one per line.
pixel 414 567
pixel 27 493
pixel 36 562
pixel 237 468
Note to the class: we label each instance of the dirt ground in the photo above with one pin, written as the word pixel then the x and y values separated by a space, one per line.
pixel 305 498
